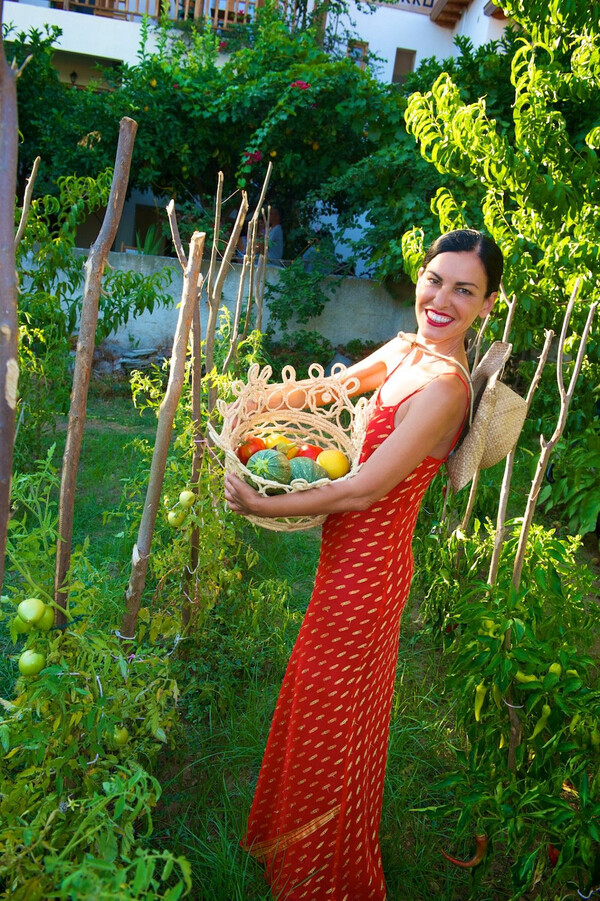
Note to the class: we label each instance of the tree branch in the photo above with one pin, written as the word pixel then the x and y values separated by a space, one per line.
pixel 27 201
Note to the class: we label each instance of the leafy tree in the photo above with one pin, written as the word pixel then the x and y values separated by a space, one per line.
pixel 538 177
pixel 51 275
pixel 394 186
pixel 282 99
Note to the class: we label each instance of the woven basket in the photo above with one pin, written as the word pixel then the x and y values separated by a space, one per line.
pixel 328 418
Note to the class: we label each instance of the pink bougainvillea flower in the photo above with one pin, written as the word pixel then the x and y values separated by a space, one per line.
pixel 222 45
pixel 301 85
pixel 253 156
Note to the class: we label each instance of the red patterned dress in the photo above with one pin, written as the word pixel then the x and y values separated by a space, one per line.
pixel 314 821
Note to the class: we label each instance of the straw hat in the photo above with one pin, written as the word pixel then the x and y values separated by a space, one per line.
pixel 497 417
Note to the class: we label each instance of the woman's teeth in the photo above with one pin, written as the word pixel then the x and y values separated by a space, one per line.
pixel 438 317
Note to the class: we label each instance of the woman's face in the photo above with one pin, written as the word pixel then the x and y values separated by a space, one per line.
pixel 450 295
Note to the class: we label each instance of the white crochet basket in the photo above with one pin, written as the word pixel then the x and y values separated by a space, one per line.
pixel 323 414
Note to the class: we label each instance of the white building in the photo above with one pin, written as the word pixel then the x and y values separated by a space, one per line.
pixel 402 33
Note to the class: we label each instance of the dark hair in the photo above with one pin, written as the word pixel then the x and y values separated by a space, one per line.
pixel 464 240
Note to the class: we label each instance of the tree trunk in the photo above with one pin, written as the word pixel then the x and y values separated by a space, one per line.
pixel 94 267
pixel 141 550
pixel 9 367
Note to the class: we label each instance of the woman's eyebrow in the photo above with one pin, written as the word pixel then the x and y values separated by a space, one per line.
pixel 462 284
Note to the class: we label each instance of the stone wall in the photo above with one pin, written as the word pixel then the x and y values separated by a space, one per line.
pixel 358 308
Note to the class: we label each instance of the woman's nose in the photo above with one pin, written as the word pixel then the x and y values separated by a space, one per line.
pixel 442 296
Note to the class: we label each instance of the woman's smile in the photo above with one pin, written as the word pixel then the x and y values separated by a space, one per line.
pixel 438 319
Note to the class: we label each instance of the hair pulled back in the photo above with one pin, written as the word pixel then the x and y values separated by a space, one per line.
pixel 465 240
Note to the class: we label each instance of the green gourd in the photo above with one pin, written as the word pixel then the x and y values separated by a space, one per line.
pixel 270 464
pixel 307 469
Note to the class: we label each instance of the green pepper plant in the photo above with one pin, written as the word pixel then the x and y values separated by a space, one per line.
pixel 545 676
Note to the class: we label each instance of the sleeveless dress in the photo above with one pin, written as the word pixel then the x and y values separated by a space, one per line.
pixel 314 821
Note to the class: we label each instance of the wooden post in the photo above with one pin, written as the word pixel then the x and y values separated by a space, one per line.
pixel 94 269
pixel 9 331
pixel 141 549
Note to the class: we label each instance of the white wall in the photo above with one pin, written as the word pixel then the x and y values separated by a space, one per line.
pixel 389 28
pixel 95 36
pixel 358 308
pixel 479 27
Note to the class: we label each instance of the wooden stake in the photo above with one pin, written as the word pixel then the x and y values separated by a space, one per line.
pixel 94 269
pixel 9 329
pixel 141 550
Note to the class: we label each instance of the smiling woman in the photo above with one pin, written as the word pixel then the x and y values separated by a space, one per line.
pixel 315 816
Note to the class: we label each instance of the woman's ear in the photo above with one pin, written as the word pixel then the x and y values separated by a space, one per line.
pixel 488 303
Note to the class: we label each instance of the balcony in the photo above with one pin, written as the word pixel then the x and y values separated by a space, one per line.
pixel 221 13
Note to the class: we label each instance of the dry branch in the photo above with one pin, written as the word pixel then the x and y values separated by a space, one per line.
pixel 548 446
pixel 191 585
pixel 141 550
pixel 215 290
pixel 511 307
pixel 175 234
pixel 9 367
pixel 27 201
pixel 508 468
pixel 94 269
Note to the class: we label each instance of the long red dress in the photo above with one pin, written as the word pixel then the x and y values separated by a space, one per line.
pixel 314 821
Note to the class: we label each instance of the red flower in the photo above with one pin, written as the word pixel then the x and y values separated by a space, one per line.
pixel 222 45
pixel 253 156
pixel 301 85
pixel 175 86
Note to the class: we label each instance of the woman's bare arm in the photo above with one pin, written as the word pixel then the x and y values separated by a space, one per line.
pixel 434 414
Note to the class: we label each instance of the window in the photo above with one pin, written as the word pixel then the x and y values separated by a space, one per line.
pixel 403 64
pixel 358 51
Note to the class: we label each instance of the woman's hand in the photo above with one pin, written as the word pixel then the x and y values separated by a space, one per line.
pixel 240 497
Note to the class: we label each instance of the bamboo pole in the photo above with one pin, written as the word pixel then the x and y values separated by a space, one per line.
pixel 94 268
pixel 141 549
pixel 9 329
pixel 191 585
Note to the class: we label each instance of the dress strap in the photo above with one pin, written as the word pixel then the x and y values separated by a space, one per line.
pixel 469 384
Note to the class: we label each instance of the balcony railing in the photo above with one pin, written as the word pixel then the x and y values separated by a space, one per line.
pixel 220 12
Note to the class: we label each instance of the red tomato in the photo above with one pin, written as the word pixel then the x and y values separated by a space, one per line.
pixel 309 450
pixel 249 447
